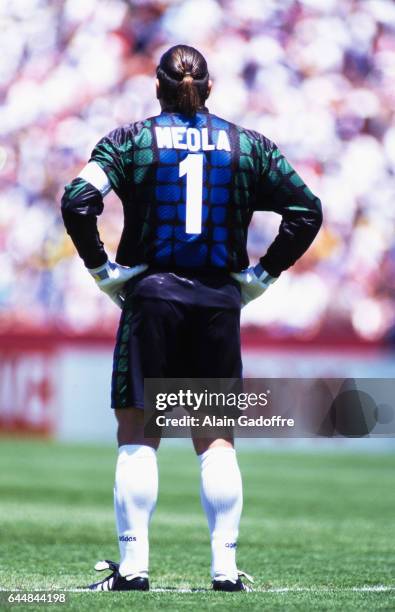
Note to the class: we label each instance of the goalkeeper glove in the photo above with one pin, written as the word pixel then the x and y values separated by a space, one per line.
pixel 111 277
pixel 253 282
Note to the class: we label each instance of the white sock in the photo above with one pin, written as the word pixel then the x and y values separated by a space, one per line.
pixel 222 499
pixel 135 494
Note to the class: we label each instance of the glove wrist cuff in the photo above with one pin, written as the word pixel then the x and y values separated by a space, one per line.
pixel 263 276
pixel 102 272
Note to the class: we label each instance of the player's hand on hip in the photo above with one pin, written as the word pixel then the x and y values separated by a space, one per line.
pixel 111 277
pixel 253 282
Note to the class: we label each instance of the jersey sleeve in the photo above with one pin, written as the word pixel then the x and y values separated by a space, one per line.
pixel 82 201
pixel 109 155
pixel 281 190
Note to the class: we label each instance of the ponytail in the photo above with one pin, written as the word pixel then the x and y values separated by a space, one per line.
pixel 183 79
pixel 187 97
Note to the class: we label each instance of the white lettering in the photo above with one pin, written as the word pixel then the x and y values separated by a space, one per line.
pixel 178 133
pixel 192 139
pixel 223 143
pixel 206 146
pixel 163 137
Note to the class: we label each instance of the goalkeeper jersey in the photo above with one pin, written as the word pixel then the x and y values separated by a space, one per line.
pixel 189 187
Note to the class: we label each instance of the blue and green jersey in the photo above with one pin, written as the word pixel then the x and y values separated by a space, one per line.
pixel 189 187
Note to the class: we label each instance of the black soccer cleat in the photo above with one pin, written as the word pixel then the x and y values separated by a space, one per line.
pixel 233 586
pixel 116 582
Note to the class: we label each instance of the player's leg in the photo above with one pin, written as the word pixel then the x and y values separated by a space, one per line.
pixel 221 484
pixel 143 349
pixel 131 428
pixel 135 491
pixel 135 495
pixel 221 496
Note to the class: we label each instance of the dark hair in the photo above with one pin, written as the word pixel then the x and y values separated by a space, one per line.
pixel 183 78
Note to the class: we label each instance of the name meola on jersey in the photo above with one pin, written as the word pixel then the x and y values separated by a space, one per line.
pixel 190 139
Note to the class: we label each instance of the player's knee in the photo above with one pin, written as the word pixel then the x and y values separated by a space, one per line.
pixel 201 445
pixel 130 425
pixel 131 428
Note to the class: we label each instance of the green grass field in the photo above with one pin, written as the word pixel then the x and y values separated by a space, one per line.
pixel 318 530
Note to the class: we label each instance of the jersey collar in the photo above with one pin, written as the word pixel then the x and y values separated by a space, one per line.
pixel 169 111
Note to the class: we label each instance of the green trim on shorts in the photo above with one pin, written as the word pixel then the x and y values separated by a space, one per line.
pixel 121 363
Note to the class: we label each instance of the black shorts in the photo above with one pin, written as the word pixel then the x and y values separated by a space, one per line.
pixel 168 338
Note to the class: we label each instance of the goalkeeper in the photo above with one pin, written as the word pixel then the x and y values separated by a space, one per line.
pixel 189 183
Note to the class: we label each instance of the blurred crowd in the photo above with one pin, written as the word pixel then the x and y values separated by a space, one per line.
pixel 315 76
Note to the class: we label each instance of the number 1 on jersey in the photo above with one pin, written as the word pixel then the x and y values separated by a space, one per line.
pixel 192 167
